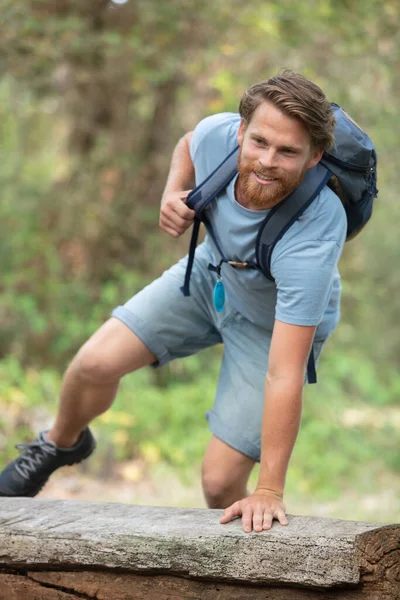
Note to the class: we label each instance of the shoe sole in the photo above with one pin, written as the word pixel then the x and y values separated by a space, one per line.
pixel 37 491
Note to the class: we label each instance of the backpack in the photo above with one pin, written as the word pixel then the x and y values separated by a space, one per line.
pixel 348 168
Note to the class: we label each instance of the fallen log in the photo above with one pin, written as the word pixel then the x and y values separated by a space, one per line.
pixel 64 550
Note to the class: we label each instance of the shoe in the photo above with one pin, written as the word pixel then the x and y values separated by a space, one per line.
pixel 26 475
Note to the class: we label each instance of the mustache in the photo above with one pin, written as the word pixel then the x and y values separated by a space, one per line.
pixel 258 170
pixel 270 173
pixel 266 173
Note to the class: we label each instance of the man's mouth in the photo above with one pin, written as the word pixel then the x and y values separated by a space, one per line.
pixel 264 179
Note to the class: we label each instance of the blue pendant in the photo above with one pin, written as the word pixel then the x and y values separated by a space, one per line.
pixel 219 296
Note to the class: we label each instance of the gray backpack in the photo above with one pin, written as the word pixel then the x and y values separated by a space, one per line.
pixel 349 169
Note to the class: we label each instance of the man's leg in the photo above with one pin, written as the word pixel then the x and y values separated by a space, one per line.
pixel 236 417
pixel 225 472
pixel 89 388
pixel 157 325
pixel 91 381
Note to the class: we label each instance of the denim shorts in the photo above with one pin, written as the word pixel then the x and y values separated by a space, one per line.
pixel 174 326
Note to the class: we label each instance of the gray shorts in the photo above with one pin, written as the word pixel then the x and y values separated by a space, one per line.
pixel 173 326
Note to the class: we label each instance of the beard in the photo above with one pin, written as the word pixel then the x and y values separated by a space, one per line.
pixel 259 196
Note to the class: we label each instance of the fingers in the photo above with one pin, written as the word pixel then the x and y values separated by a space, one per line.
pixel 281 517
pixel 170 230
pixel 231 512
pixel 177 203
pixel 260 518
pixel 174 225
pixel 182 211
pixel 184 194
pixel 256 517
pixel 251 517
pixel 175 216
pixel 267 521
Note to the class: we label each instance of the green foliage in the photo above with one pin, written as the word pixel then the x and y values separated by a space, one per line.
pixel 146 421
pixel 348 427
pixel 93 97
pixel 350 424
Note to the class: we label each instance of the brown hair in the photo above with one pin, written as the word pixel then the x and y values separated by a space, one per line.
pixel 298 97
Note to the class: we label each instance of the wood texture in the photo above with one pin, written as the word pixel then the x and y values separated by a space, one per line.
pixel 69 550
pixel 42 585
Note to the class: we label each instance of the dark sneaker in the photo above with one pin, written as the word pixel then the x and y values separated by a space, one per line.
pixel 26 475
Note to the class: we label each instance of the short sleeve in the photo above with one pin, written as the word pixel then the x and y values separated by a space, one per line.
pixel 200 132
pixel 304 274
pixel 212 140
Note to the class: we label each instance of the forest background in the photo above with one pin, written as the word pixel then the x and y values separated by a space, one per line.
pixel 93 98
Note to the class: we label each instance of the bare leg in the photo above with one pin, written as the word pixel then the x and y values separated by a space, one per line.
pixel 91 381
pixel 225 473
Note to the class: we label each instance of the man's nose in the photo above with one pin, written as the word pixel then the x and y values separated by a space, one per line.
pixel 268 158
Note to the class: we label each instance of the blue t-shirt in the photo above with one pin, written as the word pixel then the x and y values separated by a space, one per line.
pixel 304 262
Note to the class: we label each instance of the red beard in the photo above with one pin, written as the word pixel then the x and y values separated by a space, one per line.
pixel 259 196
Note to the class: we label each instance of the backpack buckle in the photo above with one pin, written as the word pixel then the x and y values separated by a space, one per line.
pixel 237 265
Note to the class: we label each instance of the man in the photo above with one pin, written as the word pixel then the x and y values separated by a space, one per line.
pixel 268 328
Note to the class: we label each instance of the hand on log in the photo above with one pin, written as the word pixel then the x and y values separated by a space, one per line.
pixel 257 511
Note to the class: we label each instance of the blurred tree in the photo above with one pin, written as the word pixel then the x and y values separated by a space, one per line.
pixel 95 95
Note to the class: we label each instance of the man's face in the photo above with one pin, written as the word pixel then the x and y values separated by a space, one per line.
pixel 275 152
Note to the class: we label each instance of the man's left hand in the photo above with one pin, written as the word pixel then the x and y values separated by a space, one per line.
pixel 257 511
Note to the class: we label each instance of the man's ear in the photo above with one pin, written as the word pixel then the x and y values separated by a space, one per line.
pixel 315 159
pixel 241 130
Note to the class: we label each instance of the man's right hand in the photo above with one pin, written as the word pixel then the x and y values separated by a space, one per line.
pixel 175 216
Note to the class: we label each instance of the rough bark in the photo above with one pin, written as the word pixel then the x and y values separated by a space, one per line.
pixel 57 549
pixel 63 585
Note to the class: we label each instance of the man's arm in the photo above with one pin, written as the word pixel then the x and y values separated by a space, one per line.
pixel 289 352
pixel 175 216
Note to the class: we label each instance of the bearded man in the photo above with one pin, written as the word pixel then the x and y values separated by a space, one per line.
pixel 268 328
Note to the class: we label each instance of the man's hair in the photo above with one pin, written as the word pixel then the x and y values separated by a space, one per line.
pixel 298 97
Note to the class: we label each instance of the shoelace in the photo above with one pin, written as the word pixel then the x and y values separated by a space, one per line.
pixel 33 452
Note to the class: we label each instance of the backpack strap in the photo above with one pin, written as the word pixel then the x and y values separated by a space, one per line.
pixel 311 370
pixel 200 198
pixel 204 193
pixel 185 289
pixel 283 215
pixel 279 219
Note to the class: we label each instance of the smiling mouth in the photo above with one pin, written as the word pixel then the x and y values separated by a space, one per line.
pixel 264 179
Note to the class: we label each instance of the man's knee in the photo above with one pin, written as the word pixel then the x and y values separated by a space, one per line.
pixel 93 365
pixel 113 351
pixel 220 488
pixel 215 490
pixel 225 472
